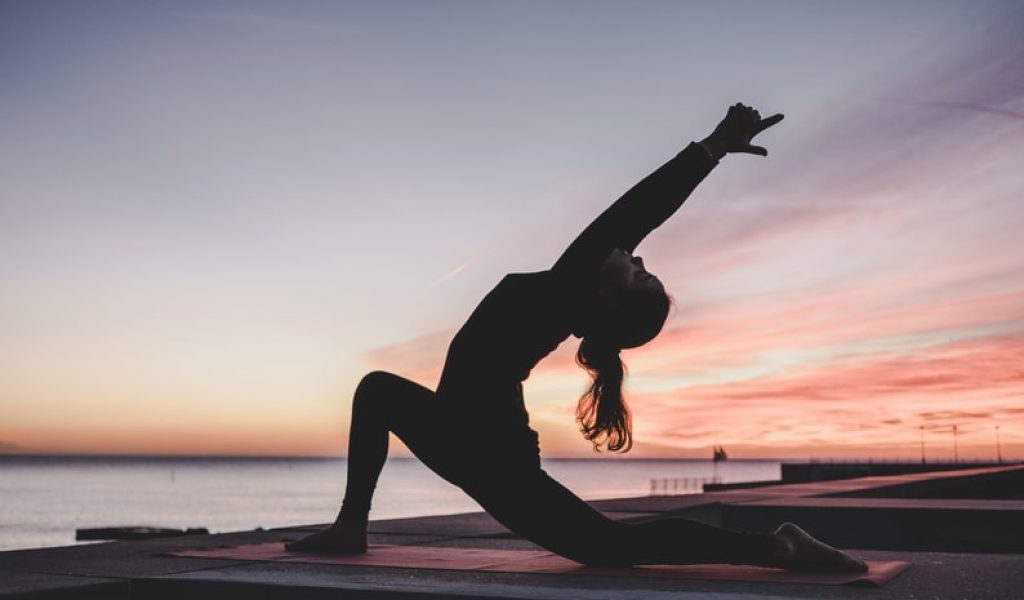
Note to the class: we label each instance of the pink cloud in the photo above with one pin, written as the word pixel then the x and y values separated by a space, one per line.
pixel 972 384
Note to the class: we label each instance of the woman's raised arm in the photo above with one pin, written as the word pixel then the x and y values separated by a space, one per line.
pixel 659 195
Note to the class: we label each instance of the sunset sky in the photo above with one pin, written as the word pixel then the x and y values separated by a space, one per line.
pixel 216 216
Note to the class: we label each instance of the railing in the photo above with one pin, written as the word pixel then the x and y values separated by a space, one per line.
pixel 681 485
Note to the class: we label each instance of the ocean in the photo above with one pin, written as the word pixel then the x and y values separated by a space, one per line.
pixel 43 499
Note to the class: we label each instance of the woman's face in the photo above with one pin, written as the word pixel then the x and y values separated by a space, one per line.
pixel 626 273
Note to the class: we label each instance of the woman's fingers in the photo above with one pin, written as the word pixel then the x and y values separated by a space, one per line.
pixel 758 128
pixel 772 120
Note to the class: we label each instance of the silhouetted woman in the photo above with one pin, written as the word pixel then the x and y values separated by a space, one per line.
pixel 474 431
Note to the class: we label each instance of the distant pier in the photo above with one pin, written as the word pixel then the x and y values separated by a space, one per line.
pixel 828 470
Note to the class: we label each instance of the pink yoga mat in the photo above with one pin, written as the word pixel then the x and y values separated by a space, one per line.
pixel 538 561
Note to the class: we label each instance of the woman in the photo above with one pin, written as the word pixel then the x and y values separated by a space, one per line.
pixel 474 431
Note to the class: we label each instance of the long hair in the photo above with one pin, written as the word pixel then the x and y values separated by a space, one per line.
pixel 629 321
pixel 601 412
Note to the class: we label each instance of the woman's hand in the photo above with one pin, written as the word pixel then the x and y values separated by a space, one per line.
pixel 736 130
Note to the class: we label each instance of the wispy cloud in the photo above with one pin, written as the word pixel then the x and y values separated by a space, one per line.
pixel 1001 112
pixel 447 276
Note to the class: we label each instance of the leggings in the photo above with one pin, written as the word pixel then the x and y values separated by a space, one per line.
pixel 526 500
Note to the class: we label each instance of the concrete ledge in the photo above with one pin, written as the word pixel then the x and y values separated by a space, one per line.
pixel 879 527
pixel 216 586
pixel 943 511
pixel 21 585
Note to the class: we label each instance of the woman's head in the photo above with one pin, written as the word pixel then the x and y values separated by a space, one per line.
pixel 624 272
pixel 631 305
pixel 630 310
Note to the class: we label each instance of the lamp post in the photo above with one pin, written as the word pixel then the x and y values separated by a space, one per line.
pixel 999 448
pixel 922 444
pixel 956 450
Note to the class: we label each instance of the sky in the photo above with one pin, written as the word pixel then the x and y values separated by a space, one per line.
pixel 216 216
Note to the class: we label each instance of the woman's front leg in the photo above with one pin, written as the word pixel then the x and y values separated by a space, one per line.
pixel 381 404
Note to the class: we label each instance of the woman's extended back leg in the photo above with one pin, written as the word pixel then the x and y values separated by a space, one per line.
pixel 540 509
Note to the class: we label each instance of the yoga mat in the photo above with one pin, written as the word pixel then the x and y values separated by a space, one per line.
pixel 538 561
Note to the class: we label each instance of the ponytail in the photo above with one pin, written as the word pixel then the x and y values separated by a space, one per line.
pixel 601 412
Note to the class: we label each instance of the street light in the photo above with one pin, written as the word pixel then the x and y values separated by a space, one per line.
pixel 922 444
pixel 999 448
pixel 956 450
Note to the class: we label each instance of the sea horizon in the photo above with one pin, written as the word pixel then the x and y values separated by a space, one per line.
pixel 337 457
pixel 602 457
pixel 44 498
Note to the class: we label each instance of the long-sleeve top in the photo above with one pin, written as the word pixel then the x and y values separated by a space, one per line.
pixel 527 315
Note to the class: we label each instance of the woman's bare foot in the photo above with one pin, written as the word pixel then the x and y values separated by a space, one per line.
pixel 336 539
pixel 797 550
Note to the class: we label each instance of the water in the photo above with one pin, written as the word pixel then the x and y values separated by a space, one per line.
pixel 44 499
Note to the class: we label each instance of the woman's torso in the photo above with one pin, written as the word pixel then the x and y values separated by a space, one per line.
pixel 522 320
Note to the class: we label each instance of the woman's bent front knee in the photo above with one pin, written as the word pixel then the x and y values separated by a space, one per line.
pixel 374 382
